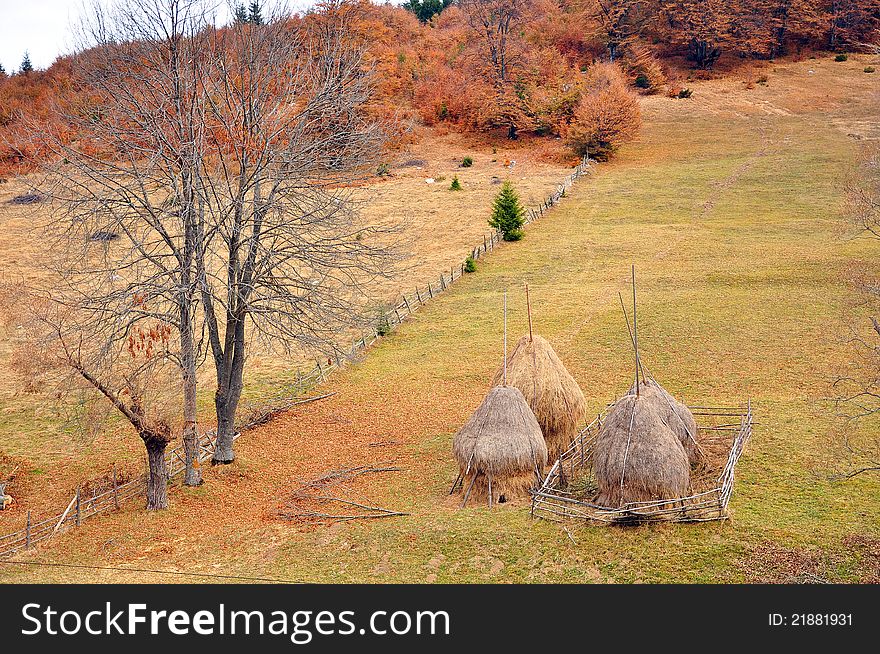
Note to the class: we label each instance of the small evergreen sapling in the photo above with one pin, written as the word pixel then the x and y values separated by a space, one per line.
pixel 508 214
pixel 456 185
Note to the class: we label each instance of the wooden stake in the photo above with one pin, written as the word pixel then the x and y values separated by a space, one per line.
pixel 529 311
pixel 631 339
pixel 635 329
pixel 468 493
pixel 505 339
pixel 27 531
pixel 490 491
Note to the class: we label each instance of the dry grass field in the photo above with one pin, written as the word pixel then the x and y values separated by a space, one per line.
pixel 728 205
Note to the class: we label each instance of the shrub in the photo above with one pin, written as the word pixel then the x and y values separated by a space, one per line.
pixel 507 213
pixel 383 326
pixel 684 94
pixel 383 170
pixel 470 265
pixel 649 72
pixel 606 116
pixel 456 185
pixel 841 57
pixel 467 162
pixel 869 69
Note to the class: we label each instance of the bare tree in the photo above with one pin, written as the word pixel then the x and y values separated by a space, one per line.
pixel 58 352
pixel 282 258
pixel 857 388
pixel 126 190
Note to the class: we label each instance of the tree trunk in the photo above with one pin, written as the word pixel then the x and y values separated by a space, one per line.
pixel 229 387
pixel 157 475
pixel 193 474
pixel 226 406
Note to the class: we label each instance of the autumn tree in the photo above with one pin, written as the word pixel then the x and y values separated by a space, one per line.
pixel 702 27
pixel 497 24
pixel 606 116
pixel 850 22
pixel 620 22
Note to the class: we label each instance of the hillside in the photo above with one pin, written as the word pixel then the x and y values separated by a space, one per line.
pixel 728 206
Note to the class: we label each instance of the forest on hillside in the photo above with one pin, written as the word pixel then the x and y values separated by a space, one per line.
pixel 561 68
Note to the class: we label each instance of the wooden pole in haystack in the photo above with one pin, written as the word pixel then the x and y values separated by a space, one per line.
pixel 529 311
pixel 631 339
pixel 504 383
pixel 635 329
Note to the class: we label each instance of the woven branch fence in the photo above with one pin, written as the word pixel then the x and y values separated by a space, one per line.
pixel 81 507
pixel 565 491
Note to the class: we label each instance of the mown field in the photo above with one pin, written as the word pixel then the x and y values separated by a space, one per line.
pixel 728 205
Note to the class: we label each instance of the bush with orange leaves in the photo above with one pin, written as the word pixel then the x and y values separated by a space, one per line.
pixel 606 116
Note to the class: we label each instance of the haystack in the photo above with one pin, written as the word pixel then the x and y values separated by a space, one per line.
pixel 637 457
pixel 676 415
pixel 500 446
pixel 551 392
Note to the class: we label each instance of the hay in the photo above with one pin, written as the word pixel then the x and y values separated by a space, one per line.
pixel 501 442
pixel 637 457
pixel 551 392
pixel 676 415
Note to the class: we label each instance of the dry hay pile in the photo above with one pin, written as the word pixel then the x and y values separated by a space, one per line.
pixel 551 392
pixel 675 415
pixel 500 445
pixel 638 458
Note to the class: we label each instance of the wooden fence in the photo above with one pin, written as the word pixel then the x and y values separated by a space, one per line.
pixel 726 429
pixel 81 507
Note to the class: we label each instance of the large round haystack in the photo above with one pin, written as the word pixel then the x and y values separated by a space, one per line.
pixel 676 415
pixel 552 393
pixel 500 444
pixel 637 458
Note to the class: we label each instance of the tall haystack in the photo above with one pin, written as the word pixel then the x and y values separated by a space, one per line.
pixel 551 392
pixel 500 448
pixel 676 415
pixel 637 457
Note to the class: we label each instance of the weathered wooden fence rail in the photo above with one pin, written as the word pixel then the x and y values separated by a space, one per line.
pixel 81 507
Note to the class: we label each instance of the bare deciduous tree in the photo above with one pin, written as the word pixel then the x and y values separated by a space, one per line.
pixel 125 191
pixel 858 387
pixel 283 257
pixel 59 353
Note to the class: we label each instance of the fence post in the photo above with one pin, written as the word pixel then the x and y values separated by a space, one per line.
pixel 320 370
pixel 442 283
pixel 27 531
pixel 419 295
pixel 430 292
pixel 484 243
pixel 115 488
pixel 78 514
pixel 398 316
pixel 406 302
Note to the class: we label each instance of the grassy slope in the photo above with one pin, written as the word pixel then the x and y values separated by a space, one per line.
pixel 731 222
